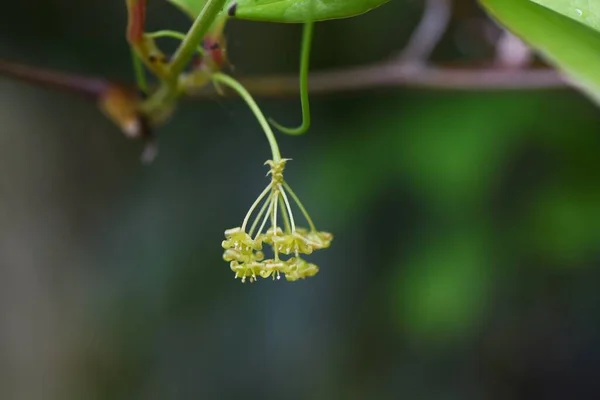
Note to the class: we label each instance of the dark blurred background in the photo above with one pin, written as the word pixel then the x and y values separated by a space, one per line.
pixel 467 225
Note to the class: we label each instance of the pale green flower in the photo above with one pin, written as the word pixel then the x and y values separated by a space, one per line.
pixel 243 245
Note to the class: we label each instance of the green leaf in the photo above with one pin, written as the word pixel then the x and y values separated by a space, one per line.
pixel 585 11
pixel 287 11
pixel 572 47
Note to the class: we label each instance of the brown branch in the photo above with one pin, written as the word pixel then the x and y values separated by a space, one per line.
pixel 393 75
pixel 385 75
pixel 118 102
pixel 88 87
pixel 408 69
pixel 428 33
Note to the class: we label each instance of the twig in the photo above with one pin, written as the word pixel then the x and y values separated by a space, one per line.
pixel 512 52
pixel 428 33
pixel 393 75
pixel 409 69
pixel 88 87
pixel 385 75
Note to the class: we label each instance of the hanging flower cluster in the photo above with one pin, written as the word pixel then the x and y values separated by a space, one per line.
pixel 244 245
pixel 273 229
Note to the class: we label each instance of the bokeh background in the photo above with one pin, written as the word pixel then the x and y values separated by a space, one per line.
pixel 467 225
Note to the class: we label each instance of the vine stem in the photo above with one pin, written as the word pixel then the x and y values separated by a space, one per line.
pixel 192 39
pixel 244 94
pixel 307 35
pixel 169 88
pixel 139 72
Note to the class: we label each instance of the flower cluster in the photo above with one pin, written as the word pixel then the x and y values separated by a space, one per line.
pixel 244 245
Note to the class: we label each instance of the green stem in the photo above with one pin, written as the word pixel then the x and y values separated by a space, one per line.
pixel 266 218
pixel 169 88
pixel 195 35
pixel 284 214
pixel 259 215
pixel 241 90
pixel 165 33
pixel 304 67
pixel 288 207
pixel 256 203
pixel 274 224
pixel 140 73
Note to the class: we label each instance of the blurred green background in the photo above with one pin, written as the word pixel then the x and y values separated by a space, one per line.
pixel 467 225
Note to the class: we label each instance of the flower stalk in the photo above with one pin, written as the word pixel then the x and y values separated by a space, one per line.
pixel 220 77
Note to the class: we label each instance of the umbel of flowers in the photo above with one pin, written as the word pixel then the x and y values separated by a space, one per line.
pixel 244 245
pixel 274 225
pixel 287 242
